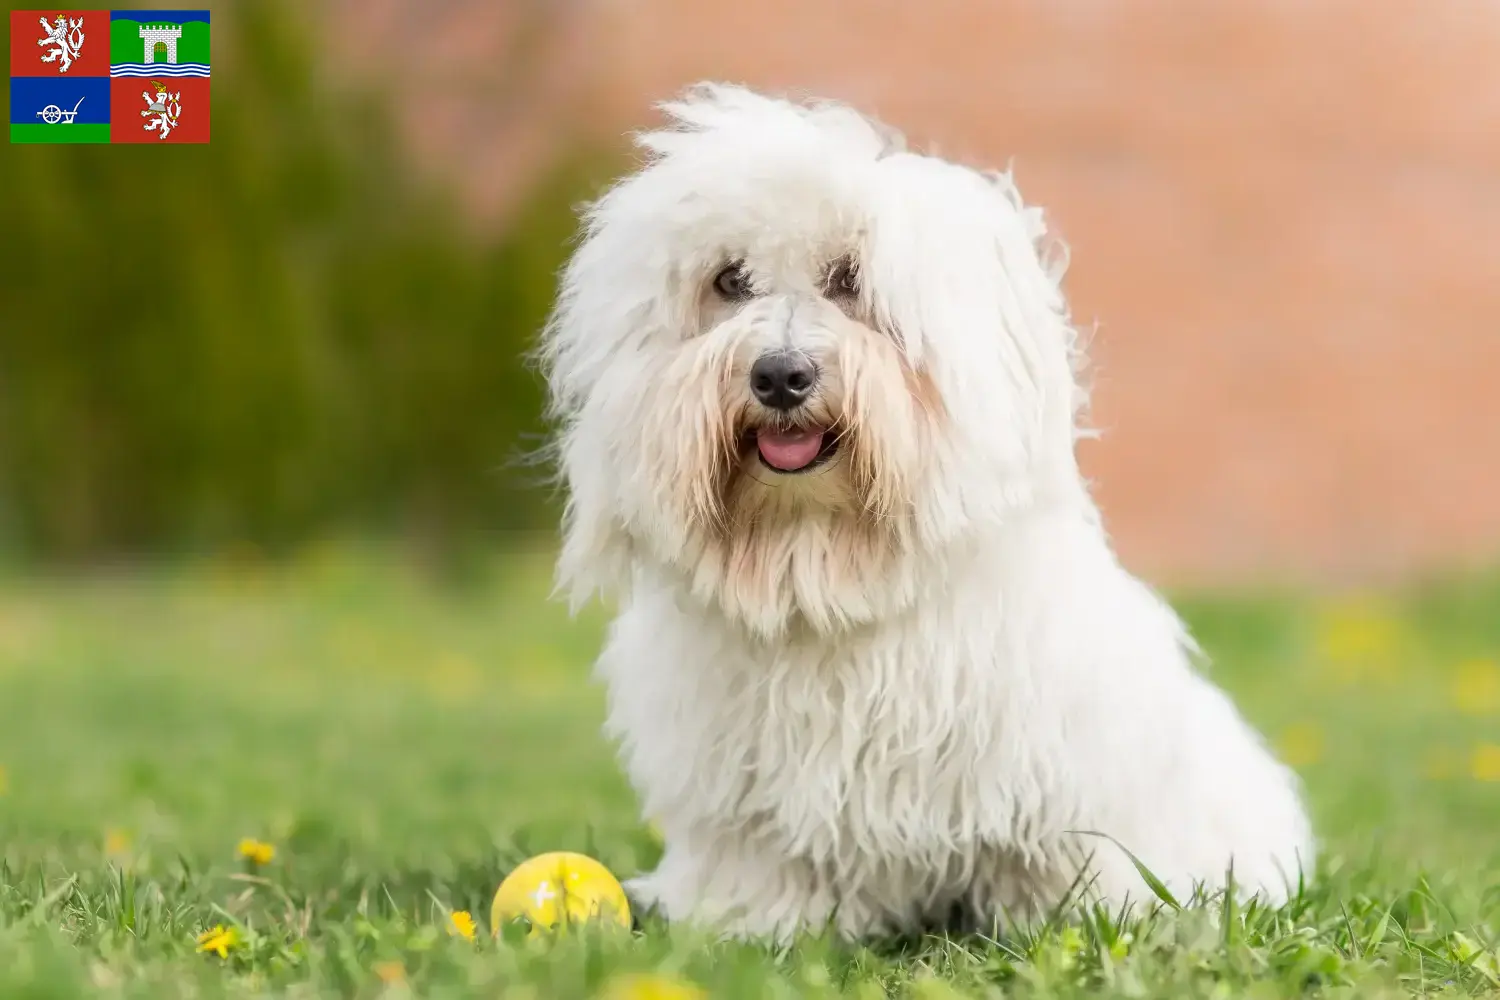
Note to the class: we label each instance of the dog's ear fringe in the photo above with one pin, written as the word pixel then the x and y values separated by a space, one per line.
pixel 1055 257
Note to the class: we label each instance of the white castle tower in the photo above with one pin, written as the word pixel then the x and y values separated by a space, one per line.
pixel 167 34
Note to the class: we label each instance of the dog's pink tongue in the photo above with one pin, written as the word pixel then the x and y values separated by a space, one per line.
pixel 789 452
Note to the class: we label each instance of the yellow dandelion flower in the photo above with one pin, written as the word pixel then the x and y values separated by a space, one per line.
pixel 257 852
pixel 652 987
pixel 1301 744
pixel 1476 687
pixel 116 842
pixel 463 923
pixel 1484 765
pixel 390 972
pixel 1359 638
pixel 219 940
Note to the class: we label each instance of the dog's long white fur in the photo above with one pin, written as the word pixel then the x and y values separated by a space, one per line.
pixel 915 678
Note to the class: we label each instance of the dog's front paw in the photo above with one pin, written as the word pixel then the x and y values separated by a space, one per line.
pixel 746 902
pixel 678 897
pixel 644 897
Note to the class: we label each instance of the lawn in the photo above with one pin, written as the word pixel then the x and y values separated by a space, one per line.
pixel 392 746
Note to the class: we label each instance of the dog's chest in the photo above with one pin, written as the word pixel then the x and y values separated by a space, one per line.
pixel 903 743
pixel 872 748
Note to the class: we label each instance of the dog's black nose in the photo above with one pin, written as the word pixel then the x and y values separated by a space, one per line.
pixel 783 380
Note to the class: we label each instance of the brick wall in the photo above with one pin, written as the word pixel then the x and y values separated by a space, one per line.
pixel 1285 218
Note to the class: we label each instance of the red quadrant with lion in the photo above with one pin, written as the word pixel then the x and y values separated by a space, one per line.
pixel 140 108
pixel 28 28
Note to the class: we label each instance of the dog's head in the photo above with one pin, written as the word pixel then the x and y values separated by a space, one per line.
pixel 796 366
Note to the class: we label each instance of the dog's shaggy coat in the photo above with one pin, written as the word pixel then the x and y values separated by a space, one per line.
pixel 875 661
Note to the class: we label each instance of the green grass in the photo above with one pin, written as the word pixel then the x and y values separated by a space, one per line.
pixel 403 744
pixel 76 132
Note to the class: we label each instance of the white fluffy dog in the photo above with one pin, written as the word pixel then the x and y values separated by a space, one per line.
pixel 875 662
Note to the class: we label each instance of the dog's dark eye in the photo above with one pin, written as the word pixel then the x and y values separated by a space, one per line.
pixel 732 282
pixel 842 280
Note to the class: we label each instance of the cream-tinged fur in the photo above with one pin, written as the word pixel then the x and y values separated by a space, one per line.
pixel 914 678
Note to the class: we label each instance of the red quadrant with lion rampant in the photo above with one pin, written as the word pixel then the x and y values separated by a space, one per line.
pixel 136 101
pixel 31 56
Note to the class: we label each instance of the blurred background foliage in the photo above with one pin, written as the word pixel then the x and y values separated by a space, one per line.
pixel 284 333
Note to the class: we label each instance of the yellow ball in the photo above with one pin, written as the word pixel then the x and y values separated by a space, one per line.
pixel 556 889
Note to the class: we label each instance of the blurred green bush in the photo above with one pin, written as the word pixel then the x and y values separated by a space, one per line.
pixel 267 338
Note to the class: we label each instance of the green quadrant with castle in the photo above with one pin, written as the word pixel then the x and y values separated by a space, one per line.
pixel 126 44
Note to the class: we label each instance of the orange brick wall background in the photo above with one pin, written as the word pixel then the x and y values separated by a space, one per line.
pixel 1284 217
